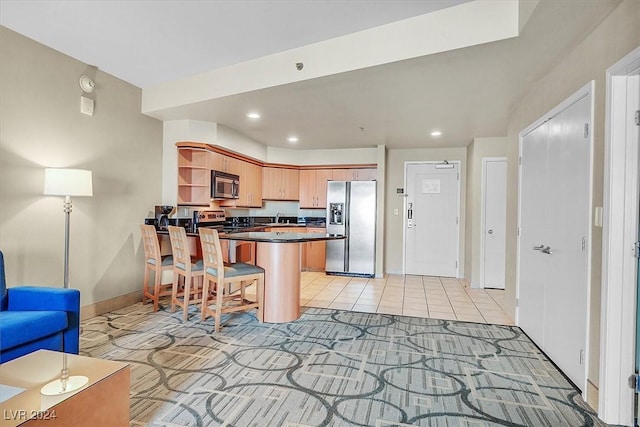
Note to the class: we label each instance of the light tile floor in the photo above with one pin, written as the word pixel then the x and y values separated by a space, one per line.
pixel 419 296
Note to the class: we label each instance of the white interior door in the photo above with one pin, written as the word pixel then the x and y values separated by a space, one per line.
pixel 619 235
pixel 431 221
pixel 494 216
pixel 567 259
pixel 554 224
pixel 533 226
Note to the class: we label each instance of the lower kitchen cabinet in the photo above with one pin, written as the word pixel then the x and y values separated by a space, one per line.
pixel 314 253
pixel 245 251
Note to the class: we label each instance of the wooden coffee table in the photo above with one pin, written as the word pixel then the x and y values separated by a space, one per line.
pixel 104 401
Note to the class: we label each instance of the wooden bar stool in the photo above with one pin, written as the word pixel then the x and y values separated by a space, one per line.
pixel 186 267
pixel 156 263
pixel 219 281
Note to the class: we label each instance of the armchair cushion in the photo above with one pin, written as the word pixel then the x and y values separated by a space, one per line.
pixel 19 327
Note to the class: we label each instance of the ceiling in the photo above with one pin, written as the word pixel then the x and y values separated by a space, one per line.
pixel 465 93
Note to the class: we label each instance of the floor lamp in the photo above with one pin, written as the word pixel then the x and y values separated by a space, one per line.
pixel 67 183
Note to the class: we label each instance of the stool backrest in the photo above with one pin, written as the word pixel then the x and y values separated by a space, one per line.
pixel 180 248
pixel 151 245
pixel 211 252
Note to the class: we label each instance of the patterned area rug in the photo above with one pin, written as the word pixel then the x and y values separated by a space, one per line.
pixel 332 368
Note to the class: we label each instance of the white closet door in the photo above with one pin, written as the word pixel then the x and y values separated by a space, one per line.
pixel 554 222
pixel 568 209
pixel 494 226
pixel 534 223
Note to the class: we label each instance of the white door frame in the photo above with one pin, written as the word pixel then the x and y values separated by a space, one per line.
pixel 483 194
pixel 586 90
pixel 620 219
pixel 404 213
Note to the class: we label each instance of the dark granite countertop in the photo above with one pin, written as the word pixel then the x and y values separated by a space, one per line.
pixel 257 234
pixel 279 237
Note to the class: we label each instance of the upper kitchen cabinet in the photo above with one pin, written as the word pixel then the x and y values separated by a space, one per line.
pixel 250 185
pixel 360 174
pixel 194 176
pixel 280 183
pixel 313 188
pixel 258 181
pixel 250 191
pixel 222 163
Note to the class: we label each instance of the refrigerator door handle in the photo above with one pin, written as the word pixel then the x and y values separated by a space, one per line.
pixel 347 224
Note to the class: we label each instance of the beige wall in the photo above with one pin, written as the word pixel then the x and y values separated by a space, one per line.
pixel 41 126
pixel 616 36
pixel 393 225
pixel 476 151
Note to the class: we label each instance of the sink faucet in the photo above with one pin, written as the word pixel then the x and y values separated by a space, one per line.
pixel 278 217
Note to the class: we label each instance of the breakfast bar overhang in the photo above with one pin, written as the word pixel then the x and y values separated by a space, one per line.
pixel 279 254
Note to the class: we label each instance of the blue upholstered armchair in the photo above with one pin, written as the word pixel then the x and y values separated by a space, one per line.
pixel 34 318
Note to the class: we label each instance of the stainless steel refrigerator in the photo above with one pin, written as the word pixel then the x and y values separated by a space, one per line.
pixel 351 210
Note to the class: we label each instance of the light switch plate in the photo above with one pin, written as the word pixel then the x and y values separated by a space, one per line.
pixel 597 216
pixel 86 106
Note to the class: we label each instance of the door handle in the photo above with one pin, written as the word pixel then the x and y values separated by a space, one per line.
pixel 490 231
pixel 547 250
pixel 538 248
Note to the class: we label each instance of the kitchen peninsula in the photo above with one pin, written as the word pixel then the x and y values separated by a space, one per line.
pixel 279 253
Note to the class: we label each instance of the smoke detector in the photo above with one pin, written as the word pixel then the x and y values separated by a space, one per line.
pixel 86 84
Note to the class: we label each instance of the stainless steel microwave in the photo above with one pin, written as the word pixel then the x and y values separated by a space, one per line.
pixel 224 185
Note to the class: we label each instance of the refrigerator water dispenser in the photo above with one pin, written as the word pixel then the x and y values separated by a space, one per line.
pixel 335 213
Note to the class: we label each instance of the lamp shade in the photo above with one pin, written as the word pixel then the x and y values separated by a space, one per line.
pixel 68 182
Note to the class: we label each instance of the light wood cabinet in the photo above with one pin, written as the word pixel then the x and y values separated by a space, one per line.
pixel 314 253
pixel 366 174
pixel 258 181
pixel 222 163
pixel 194 176
pixel 245 251
pixel 250 194
pixel 280 183
pixel 291 184
pixel 271 183
pixel 359 174
pixel 313 188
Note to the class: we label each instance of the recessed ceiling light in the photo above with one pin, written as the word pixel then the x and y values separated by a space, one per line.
pixel 292 139
pixel 436 133
pixel 253 115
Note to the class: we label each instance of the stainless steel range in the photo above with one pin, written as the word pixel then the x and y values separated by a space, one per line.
pixel 208 218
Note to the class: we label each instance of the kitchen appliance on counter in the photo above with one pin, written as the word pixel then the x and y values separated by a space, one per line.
pixel 162 216
pixel 224 185
pixel 351 211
